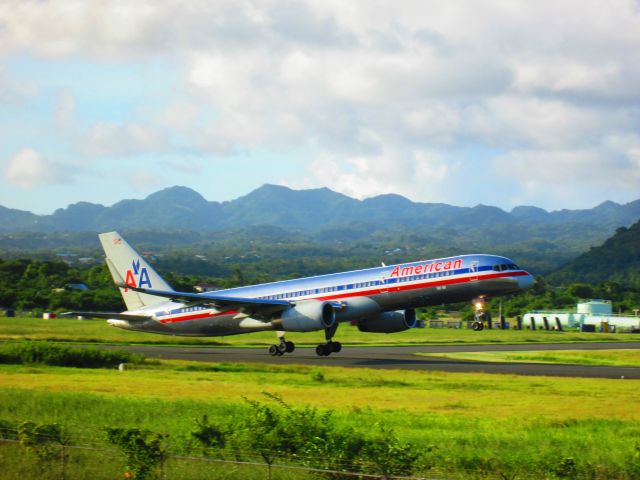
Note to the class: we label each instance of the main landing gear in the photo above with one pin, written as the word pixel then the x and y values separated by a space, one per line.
pixel 329 347
pixel 281 348
pixel 322 350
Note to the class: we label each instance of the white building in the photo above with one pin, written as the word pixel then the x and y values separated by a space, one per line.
pixel 595 313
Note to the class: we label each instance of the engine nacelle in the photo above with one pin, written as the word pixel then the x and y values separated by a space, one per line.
pixel 306 316
pixel 389 322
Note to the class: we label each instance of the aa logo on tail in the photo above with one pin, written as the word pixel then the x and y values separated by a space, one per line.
pixel 136 276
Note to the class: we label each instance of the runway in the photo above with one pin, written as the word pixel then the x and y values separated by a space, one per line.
pixel 404 358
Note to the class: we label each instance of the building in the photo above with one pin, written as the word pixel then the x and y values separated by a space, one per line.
pixel 593 315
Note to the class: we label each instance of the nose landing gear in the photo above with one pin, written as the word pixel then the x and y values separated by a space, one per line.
pixel 478 323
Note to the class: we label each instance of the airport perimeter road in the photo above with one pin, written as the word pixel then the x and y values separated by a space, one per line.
pixel 404 358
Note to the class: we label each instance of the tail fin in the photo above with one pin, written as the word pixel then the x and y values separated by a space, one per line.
pixel 127 266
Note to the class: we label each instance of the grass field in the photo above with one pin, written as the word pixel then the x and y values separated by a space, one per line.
pixel 481 425
pixel 630 358
pixel 97 331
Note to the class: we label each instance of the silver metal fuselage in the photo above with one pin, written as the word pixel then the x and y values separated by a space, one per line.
pixel 393 287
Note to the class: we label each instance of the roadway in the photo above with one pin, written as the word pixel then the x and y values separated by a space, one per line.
pixel 393 357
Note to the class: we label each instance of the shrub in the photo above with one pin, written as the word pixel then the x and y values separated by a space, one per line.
pixel 64 356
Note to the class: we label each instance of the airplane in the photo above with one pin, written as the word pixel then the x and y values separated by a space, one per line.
pixel 379 300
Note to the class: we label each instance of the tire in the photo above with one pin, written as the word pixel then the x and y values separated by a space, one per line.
pixel 273 350
pixel 322 350
pixel 290 347
pixel 336 347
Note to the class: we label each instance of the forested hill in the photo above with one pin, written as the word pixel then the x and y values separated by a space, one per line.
pixel 618 260
pixel 180 208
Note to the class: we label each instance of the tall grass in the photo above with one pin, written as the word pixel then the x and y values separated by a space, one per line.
pixel 457 446
pixel 471 425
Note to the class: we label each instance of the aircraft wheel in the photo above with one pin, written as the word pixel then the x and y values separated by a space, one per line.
pixel 322 350
pixel 477 326
pixel 273 350
pixel 290 346
pixel 336 346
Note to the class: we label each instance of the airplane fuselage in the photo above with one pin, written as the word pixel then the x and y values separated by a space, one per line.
pixel 362 293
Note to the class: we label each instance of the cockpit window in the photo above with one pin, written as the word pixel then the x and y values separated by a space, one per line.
pixel 505 266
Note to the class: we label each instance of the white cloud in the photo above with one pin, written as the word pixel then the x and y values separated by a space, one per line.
pixel 27 169
pixel 386 95
pixel 406 173
pixel 569 177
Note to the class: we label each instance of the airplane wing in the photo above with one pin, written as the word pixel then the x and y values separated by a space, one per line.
pixel 108 315
pixel 219 302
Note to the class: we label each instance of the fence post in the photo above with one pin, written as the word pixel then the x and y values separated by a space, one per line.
pixel 63 462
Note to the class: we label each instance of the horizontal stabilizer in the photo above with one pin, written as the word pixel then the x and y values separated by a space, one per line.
pixel 109 315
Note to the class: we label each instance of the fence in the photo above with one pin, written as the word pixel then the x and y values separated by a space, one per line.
pixel 72 462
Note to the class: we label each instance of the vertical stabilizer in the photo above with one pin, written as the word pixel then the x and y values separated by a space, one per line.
pixel 128 266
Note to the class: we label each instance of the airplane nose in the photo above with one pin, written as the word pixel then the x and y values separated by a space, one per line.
pixel 526 281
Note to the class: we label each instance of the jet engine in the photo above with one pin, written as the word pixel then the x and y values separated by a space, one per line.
pixel 306 317
pixel 389 322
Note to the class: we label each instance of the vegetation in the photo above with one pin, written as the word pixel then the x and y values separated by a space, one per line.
pixel 143 449
pixel 64 355
pixel 617 260
pixel 625 357
pixel 461 425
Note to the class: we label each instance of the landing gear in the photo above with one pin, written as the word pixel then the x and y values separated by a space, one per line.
pixel 326 349
pixel 283 347
pixel 477 326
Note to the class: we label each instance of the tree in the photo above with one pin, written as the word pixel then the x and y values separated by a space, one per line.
pixel 144 449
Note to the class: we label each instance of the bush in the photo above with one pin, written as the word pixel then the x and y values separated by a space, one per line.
pixel 64 356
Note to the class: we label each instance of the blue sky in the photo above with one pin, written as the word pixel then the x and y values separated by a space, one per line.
pixel 467 102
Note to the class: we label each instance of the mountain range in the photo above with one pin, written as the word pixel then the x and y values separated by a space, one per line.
pixel 181 208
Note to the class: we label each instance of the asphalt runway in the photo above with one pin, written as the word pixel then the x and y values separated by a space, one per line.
pixel 404 358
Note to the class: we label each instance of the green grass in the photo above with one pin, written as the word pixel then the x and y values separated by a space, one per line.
pixel 479 424
pixel 62 355
pixel 622 357
pixel 98 331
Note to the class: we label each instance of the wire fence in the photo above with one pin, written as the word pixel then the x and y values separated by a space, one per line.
pixel 69 462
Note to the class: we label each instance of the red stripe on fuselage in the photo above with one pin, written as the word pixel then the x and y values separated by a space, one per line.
pixel 398 287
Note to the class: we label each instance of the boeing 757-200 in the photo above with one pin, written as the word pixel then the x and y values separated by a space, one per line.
pixel 381 299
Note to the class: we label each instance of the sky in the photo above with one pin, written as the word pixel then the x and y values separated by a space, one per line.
pixel 469 102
